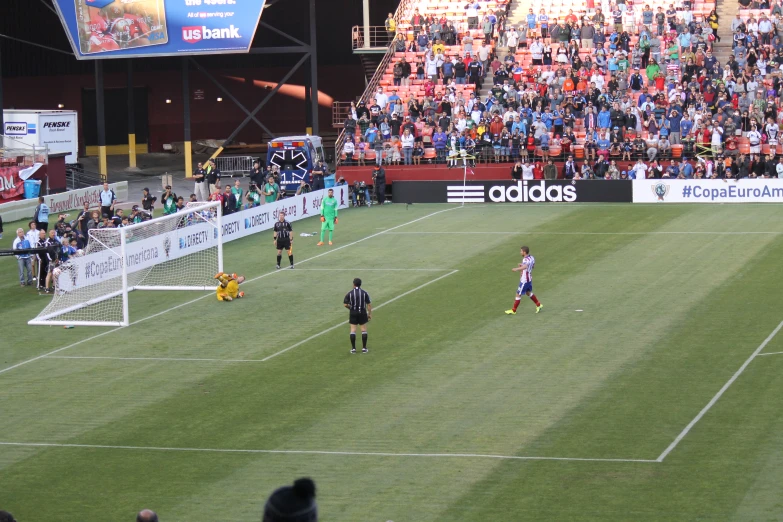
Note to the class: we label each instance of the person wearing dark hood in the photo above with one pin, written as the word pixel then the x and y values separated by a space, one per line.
pixel 379 180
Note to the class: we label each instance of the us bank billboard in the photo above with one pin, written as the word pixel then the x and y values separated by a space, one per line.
pixel 137 28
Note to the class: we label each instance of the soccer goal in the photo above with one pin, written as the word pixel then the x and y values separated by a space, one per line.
pixel 181 251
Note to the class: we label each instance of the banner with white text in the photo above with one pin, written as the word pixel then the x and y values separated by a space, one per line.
pixel 708 191
pixel 154 250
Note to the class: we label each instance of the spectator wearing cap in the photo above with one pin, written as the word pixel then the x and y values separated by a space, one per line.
pixel 292 503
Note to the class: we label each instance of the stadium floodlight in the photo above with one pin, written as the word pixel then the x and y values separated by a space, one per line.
pixel 181 251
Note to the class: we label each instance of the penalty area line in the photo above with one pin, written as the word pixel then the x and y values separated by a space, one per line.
pixel 390 301
pixel 720 393
pixel 192 301
pixel 318 452
pixel 300 343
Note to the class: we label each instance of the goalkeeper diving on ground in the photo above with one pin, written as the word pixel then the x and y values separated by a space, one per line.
pixel 228 289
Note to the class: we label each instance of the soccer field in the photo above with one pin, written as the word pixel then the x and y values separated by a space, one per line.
pixel 648 388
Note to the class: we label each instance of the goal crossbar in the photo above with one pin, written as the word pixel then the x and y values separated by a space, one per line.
pixel 181 251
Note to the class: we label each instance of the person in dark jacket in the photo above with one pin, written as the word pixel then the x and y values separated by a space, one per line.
pixel 229 201
pixel 516 171
pixel 379 180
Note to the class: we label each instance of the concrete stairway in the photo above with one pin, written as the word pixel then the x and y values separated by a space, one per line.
pixel 727 11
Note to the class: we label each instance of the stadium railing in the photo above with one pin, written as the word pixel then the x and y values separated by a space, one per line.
pixel 372 85
pixel 235 165
pixel 378 37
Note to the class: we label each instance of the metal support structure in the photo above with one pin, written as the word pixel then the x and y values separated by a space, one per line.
pixel 308 104
pixel 263 102
pixel 314 69
pixel 101 116
pixel 366 21
pixel 186 118
pixel 131 118
pixel 230 96
pixel 311 83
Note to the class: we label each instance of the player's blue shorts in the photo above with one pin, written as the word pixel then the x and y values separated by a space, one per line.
pixel 524 288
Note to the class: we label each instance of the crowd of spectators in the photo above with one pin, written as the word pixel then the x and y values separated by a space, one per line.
pixel 639 84
pixel 294 503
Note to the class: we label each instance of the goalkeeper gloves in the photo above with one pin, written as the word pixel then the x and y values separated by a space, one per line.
pixel 323 219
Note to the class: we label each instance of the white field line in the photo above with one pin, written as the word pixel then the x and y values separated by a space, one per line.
pixel 718 395
pixel 188 303
pixel 651 233
pixel 770 353
pixel 346 322
pixel 151 359
pixel 317 452
pixel 371 269
pixel 251 360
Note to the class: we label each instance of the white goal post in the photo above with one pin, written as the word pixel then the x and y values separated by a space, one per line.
pixel 181 251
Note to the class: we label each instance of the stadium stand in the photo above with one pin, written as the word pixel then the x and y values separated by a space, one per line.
pixel 631 80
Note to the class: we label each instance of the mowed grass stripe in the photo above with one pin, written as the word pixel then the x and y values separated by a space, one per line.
pixel 649 403
pixel 172 414
pixel 252 256
pixel 436 308
pixel 351 491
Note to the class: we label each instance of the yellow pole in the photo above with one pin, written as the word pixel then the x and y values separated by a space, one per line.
pixel 217 153
pixel 188 160
pixel 132 150
pixel 309 131
pixel 102 165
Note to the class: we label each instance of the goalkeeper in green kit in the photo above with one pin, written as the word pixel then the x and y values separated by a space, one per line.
pixel 328 215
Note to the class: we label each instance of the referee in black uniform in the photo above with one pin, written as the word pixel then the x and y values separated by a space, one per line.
pixel 283 239
pixel 357 301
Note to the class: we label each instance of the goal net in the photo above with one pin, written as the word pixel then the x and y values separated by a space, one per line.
pixel 181 251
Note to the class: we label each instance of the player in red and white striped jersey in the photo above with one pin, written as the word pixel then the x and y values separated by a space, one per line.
pixel 525 281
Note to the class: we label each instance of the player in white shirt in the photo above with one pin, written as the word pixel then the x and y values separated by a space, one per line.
pixel 525 281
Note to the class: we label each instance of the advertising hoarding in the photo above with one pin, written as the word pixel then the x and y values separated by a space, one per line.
pixel 136 28
pixel 510 191
pixel 57 130
pixel 708 191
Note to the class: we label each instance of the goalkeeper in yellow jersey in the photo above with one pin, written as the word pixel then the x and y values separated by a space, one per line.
pixel 228 289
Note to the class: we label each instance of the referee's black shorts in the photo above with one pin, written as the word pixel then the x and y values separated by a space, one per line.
pixel 357 318
pixel 283 244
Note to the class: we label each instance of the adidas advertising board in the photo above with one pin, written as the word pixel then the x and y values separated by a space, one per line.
pixel 510 191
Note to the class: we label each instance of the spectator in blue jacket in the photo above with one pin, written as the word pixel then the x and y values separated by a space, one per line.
pixel 675 127
pixel 439 140
pixel 685 126
pixel 23 260
pixel 604 118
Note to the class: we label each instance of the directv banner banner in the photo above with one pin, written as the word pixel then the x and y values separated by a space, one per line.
pixel 708 191
pixel 136 28
pixel 154 250
pixel 510 191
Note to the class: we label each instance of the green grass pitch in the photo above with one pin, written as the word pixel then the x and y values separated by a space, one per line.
pixel 459 412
